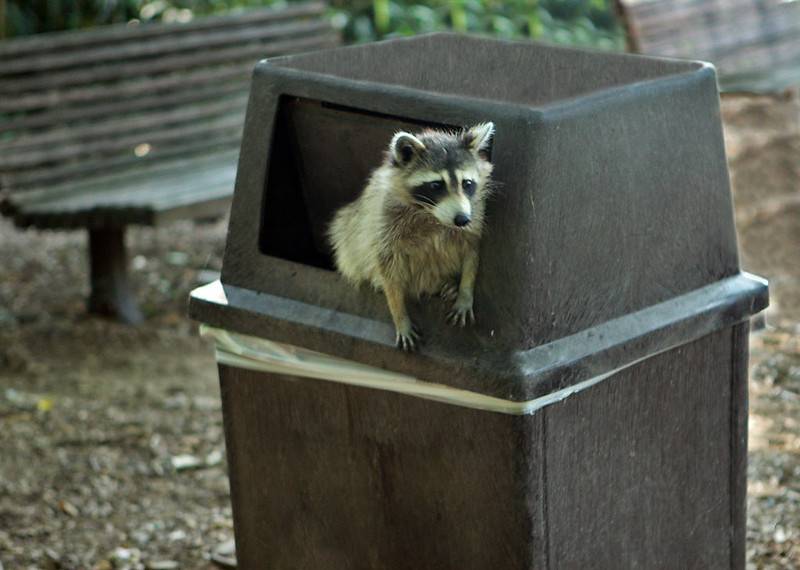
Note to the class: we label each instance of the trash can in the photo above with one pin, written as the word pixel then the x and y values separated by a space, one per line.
pixel 596 414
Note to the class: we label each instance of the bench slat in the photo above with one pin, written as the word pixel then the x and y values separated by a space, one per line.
pixel 142 123
pixel 210 41
pixel 659 13
pixel 213 206
pixel 134 88
pixel 132 173
pixel 118 214
pixel 24 181
pixel 732 31
pixel 37 158
pixel 124 33
pixel 142 193
pixel 180 62
pixel 135 192
pixel 131 89
pixel 746 40
pixel 56 116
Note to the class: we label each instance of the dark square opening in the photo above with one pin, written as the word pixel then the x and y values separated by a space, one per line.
pixel 321 157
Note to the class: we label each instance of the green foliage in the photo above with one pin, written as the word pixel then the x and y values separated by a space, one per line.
pixel 24 17
pixel 576 22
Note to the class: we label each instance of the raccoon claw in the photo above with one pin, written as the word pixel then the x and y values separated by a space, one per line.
pixel 449 292
pixel 409 341
pixel 460 316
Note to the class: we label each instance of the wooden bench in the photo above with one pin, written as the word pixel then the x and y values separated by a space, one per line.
pixel 133 124
pixel 754 44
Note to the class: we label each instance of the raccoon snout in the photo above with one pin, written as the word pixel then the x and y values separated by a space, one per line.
pixel 461 220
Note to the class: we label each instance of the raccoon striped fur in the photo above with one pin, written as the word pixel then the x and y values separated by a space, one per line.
pixel 416 227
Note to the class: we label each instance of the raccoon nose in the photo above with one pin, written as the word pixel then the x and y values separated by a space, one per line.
pixel 461 220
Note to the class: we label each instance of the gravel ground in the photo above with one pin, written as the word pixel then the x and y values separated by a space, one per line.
pixel 114 434
pixel 763 142
pixel 111 437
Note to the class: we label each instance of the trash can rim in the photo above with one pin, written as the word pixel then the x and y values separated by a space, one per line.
pixel 511 375
pixel 304 83
pixel 301 77
pixel 688 63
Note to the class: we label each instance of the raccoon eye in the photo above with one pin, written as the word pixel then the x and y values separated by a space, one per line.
pixel 468 186
pixel 429 192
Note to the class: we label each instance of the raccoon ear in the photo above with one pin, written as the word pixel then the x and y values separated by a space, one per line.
pixel 404 147
pixel 477 138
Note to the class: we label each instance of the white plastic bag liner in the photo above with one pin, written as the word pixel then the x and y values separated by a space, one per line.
pixel 252 353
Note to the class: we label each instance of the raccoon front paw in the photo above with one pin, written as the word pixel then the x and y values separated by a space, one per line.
pixel 461 313
pixel 449 291
pixel 408 338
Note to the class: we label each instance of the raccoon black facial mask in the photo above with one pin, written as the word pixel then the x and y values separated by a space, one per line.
pixel 416 227
pixel 430 193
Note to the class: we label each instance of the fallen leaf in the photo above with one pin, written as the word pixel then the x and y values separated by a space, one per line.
pixel 161 565
pixel 184 462
pixel 68 508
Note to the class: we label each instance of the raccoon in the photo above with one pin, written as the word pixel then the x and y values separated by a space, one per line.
pixel 415 228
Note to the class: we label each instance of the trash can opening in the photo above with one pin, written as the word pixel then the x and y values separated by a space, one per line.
pixel 321 157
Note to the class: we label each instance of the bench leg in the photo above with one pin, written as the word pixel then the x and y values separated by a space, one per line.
pixel 111 294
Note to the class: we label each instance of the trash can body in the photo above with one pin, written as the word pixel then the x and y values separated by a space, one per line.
pixel 596 414
pixel 643 470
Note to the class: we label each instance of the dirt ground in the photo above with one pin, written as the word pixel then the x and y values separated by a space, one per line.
pixel 763 143
pixel 111 443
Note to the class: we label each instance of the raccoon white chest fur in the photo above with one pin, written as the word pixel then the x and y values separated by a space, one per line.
pixel 416 227
pixel 376 238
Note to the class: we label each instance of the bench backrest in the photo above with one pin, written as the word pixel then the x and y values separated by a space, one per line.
pixel 83 103
pixel 754 44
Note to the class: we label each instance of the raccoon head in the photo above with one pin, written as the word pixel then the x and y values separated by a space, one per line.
pixel 446 174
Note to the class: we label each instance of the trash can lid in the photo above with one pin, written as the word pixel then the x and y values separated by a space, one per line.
pixel 610 239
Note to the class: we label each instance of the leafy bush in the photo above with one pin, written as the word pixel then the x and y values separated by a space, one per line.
pixel 581 22
pixel 25 17
pixel 576 22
